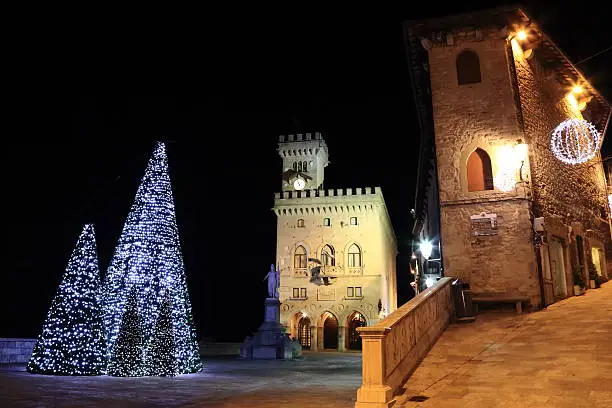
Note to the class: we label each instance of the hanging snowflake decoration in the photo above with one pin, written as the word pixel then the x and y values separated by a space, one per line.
pixel 575 141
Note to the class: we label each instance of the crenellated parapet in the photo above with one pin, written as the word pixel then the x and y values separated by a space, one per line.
pixel 330 201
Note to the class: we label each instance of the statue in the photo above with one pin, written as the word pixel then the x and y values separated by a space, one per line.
pixel 273 278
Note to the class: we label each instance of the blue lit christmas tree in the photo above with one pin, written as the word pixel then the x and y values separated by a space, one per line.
pixel 148 257
pixel 73 341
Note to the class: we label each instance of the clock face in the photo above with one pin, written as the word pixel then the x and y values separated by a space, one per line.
pixel 299 184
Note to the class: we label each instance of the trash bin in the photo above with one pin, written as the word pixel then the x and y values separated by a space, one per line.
pixel 463 300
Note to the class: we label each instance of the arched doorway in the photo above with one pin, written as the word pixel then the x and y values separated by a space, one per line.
pixel 355 320
pixel 304 332
pixel 330 331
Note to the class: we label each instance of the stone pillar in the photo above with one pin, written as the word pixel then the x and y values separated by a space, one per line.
pixel 341 338
pixel 313 338
pixel 320 339
pixel 272 313
pixel 374 391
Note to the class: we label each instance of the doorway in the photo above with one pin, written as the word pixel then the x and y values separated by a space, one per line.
pixel 557 265
pixel 304 332
pixel 354 339
pixel 597 257
pixel 330 332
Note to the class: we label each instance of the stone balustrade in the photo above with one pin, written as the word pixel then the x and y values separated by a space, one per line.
pixel 394 347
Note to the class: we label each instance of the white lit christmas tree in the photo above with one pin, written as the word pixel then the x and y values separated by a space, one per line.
pixel 148 257
pixel 161 360
pixel 127 357
pixel 72 341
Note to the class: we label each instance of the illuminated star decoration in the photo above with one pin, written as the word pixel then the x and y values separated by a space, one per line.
pixel 575 141
pixel 72 340
pixel 148 257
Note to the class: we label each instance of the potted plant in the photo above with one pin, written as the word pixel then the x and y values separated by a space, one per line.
pixel 578 281
pixel 592 276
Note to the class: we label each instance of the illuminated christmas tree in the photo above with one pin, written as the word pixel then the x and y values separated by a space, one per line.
pixel 126 358
pixel 161 359
pixel 72 341
pixel 148 257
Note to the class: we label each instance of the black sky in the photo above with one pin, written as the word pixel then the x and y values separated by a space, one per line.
pixel 84 107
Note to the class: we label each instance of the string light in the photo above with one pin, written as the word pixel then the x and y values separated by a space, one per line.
pixel 72 340
pixel 127 357
pixel 575 141
pixel 160 359
pixel 148 258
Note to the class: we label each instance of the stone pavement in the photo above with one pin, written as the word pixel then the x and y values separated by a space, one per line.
pixel 326 379
pixel 558 357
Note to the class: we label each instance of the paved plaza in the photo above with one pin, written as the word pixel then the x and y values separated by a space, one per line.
pixel 559 357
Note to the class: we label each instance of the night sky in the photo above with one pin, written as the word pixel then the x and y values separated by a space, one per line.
pixel 84 108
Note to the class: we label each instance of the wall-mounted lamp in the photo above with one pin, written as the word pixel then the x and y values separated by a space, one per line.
pixel 521 150
pixel 426 247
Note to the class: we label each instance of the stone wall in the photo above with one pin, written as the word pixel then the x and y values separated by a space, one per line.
pixel 572 198
pixel 16 350
pixel 482 115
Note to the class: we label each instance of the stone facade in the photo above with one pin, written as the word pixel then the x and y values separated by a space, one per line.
pixel 358 281
pixel 509 113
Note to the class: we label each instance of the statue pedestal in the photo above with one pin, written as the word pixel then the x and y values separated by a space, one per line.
pixel 270 341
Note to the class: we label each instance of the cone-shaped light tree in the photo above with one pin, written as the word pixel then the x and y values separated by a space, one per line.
pixel 127 357
pixel 148 257
pixel 161 360
pixel 73 341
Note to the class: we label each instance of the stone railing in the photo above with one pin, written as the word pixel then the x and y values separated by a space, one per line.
pixel 16 350
pixel 395 346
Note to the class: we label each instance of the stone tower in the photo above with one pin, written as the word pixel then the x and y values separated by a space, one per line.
pixel 335 250
pixel 304 156
pixel 515 220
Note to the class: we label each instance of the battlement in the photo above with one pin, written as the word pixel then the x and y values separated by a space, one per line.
pixel 331 192
pixel 300 137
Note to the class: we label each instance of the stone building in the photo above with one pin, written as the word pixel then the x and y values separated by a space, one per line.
pixel 336 251
pixel 507 215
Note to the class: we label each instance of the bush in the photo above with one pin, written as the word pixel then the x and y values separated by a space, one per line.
pixel 578 278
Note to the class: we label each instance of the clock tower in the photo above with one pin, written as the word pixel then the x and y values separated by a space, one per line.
pixel 304 160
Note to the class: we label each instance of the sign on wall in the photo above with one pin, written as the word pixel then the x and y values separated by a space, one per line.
pixel 326 293
pixel 484 224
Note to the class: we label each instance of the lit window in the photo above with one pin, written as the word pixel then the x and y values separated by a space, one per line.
pixel 300 223
pixel 354 256
pixel 299 257
pixel 327 256
pixel 353 220
pixel 479 173
pixel 327 222
pixel 468 68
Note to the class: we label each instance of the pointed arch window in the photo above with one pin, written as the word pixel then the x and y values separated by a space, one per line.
pixel 354 256
pixel 304 166
pixel 479 173
pixel 328 257
pixel 299 257
pixel 468 68
pixel 299 166
pixel 295 166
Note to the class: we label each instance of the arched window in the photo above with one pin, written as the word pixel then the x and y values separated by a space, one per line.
pixel 468 68
pixel 305 166
pixel 328 258
pixel 299 166
pixel 479 173
pixel 299 257
pixel 354 256
pixel 295 166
